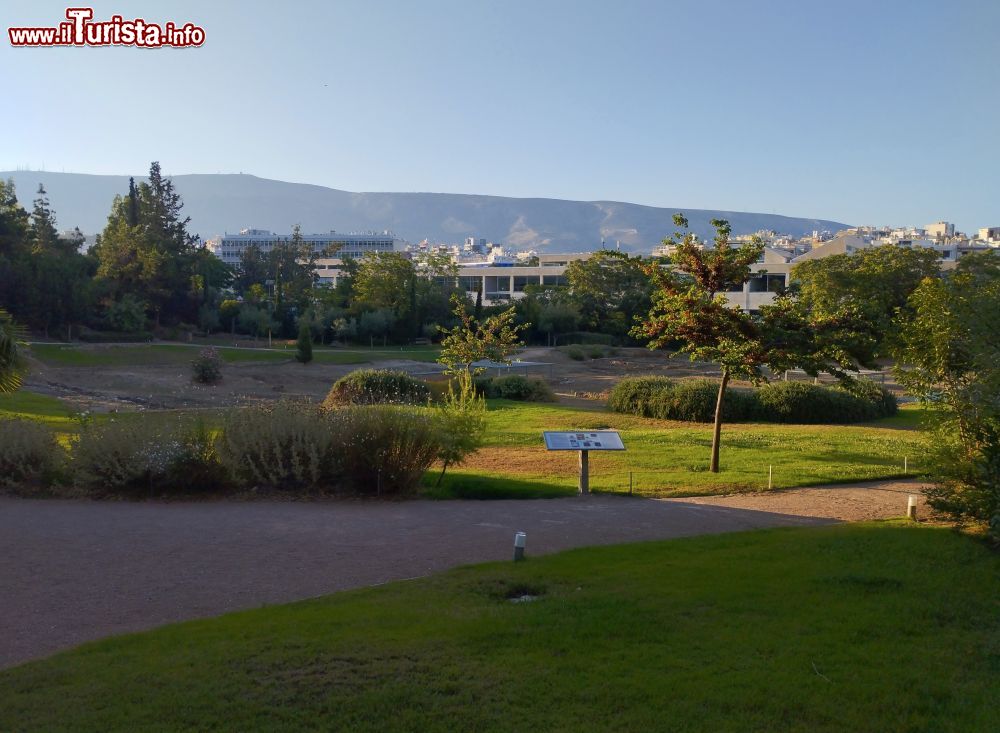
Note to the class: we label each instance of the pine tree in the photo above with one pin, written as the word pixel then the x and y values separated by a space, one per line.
pixel 304 346
pixel 132 214
pixel 43 223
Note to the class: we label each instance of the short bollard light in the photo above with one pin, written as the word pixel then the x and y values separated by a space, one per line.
pixel 519 540
pixel 911 507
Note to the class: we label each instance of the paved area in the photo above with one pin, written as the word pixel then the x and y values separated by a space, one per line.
pixel 73 571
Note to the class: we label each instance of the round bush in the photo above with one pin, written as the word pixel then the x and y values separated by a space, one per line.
pixel 377 386
pixel 632 395
pixel 386 449
pixel 207 367
pixel 800 402
pixel 885 401
pixel 515 387
pixel 691 400
pixel 29 453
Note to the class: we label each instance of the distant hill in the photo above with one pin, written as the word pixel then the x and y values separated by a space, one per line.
pixel 219 203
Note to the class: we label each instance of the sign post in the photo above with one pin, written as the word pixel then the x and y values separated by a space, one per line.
pixel 583 441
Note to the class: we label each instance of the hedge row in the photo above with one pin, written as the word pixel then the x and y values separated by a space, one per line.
pixel 780 402
pixel 299 448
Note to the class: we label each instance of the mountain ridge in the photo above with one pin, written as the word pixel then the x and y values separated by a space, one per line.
pixel 227 202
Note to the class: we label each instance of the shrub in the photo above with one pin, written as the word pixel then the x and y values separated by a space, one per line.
pixel 785 402
pixel 147 454
pixel 515 387
pixel 377 386
pixel 304 346
pixel 285 445
pixel 885 401
pixel 29 454
pixel 207 367
pixel 386 449
pixel 573 352
pixel 595 351
pixel 800 402
pixel 691 400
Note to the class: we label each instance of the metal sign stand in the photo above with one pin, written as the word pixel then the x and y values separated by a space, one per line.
pixel 583 442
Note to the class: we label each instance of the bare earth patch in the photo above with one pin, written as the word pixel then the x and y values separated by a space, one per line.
pixel 848 502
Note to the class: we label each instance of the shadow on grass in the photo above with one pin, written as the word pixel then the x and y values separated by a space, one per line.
pixel 460 485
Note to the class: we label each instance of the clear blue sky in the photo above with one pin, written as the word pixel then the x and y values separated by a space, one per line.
pixel 863 112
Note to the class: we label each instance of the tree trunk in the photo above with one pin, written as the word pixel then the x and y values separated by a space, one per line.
pixel 441 475
pixel 717 430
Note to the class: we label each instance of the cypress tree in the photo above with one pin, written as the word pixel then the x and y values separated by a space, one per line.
pixel 304 346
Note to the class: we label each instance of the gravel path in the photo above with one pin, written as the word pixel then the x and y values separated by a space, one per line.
pixel 73 571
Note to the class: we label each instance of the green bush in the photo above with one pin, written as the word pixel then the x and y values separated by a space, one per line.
pixel 885 401
pixel 586 337
pixel 286 445
pixel 784 402
pixel 30 456
pixel 377 386
pixel 691 400
pixel 206 368
pixel 386 449
pixel 800 402
pixel 147 454
pixel 573 352
pixel 113 337
pixel 515 387
pixel 595 351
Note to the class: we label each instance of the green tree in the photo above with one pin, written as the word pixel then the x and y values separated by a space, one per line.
pixel 12 365
pixel 690 309
pixel 610 290
pixel 878 280
pixel 146 251
pixel 462 411
pixel 948 354
pixel 304 346
pixel 43 223
pixel 557 318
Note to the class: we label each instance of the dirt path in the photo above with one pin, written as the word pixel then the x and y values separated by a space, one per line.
pixel 850 502
pixel 73 571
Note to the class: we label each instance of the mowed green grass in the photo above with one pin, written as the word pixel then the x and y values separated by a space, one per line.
pixel 671 458
pixel 876 627
pixel 665 458
pixel 155 354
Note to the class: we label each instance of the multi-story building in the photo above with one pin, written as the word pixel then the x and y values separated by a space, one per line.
pixel 229 247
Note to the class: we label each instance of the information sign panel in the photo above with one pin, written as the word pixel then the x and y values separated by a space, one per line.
pixel 583 440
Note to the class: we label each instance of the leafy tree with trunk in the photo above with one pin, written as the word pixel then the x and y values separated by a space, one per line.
pixel 879 280
pixel 690 311
pixel 948 354
pixel 610 289
pixel 558 317
pixel 462 410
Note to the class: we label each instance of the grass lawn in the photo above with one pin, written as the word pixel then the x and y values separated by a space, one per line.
pixel 30 405
pixel 874 627
pixel 154 354
pixel 671 458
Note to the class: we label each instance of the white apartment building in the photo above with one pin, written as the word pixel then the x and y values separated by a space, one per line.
pixel 230 247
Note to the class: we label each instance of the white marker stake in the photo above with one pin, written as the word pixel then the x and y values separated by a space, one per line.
pixel 906 463
pixel 770 475
pixel 519 541
pixel 911 507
